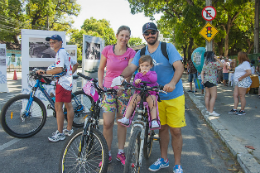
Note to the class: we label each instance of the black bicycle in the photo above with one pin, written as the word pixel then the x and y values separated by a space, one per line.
pixel 86 148
pixel 141 139
pixel 24 115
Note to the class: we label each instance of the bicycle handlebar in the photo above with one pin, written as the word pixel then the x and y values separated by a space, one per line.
pixel 87 77
pixel 144 87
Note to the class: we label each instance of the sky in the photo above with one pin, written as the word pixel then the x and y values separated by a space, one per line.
pixel 117 12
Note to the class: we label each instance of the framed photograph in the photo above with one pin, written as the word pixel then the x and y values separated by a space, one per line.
pixel 92 48
pixel 2 52
pixel 40 48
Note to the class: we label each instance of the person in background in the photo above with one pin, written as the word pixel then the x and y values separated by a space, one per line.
pixel 115 58
pixel 63 87
pixel 220 70
pixel 242 81
pixel 192 72
pixel 209 80
pixel 252 66
pixel 226 67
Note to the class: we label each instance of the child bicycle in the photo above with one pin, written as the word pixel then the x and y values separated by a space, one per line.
pixel 141 139
pixel 24 115
pixel 86 148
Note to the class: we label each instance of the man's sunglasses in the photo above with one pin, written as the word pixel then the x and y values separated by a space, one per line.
pixel 148 33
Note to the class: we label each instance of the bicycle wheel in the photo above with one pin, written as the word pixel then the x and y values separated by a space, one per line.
pixel 81 104
pixel 132 156
pixel 93 150
pixel 148 141
pixel 14 121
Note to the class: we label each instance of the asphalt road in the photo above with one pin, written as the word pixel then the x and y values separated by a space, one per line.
pixel 203 151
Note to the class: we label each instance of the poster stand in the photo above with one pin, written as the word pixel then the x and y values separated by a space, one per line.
pixel 3 75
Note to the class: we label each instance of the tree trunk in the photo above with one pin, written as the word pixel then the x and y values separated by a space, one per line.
pixel 184 54
pixel 190 48
pixel 228 26
pixel 16 39
pixel 220 47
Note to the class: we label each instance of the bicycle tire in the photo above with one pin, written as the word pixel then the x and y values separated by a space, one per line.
pixel 132 156
pixel 22 129
pixel 148 142
pixel 79 116
pixel 70 154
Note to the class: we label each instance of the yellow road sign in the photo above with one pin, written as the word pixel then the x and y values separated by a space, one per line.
pixel 208 32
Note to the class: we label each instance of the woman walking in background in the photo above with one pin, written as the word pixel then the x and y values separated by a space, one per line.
pixel 242 81
pixel 209 79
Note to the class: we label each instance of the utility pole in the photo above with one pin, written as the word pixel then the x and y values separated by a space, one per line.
pixel 209 44
pixel 256 30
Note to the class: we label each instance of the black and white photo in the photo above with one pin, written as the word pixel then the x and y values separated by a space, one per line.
pixel 92 51
pixel 40 48
pixel 2 52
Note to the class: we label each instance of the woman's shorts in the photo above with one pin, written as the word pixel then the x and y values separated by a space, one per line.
pixel 209 84
pixel 192 76
pixel 225 76
pixel 244 83
pixel 62 95
pixel 113 103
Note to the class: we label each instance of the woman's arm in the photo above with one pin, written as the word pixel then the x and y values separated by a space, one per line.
pixel 129 78
pixel 202 77
pixel 101 69
pixel 248 73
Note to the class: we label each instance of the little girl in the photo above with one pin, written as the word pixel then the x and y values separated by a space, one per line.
pixel 145 64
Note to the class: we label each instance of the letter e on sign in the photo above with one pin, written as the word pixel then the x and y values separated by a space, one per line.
pixel 209 13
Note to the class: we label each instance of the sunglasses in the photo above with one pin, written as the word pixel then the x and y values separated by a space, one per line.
pixel 148 33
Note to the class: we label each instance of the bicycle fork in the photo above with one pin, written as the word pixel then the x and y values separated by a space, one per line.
pixel 142 125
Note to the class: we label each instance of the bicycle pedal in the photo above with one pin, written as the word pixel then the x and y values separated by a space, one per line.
pixel 49 106
pixel 156 138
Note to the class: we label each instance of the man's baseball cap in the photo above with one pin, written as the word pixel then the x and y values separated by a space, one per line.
pixel 54 37
pixel 149 26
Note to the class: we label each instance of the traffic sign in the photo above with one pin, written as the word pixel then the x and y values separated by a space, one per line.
pixel 208 32
pixel 209 13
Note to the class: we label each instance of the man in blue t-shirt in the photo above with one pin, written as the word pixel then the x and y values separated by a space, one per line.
pixel 172 105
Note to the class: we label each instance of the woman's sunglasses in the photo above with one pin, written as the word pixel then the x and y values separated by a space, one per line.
pixel 148 33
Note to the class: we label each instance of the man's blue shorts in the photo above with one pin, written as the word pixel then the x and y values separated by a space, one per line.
pixel 192 76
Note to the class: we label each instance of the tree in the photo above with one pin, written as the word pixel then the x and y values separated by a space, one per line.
pixel 99 28
pixel 135 41
pixel 35 14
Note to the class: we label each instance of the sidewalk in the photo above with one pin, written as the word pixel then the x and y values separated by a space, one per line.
pixel 235 131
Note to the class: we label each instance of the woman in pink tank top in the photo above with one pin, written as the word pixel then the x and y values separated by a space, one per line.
pixel 115 58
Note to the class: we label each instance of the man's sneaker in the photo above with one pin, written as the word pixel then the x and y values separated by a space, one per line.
pixel 160 163
pixel 68 132
pixel 215 114
pixel 155 124
pixel 241 112
pixel 232 112
pixel 109 161
pixel 57 136
pixel 121 158
pixel 177 169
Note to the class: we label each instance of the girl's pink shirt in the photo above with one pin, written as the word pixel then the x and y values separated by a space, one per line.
pixel 115 63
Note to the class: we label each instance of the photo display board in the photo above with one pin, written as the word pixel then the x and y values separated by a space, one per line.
pixel 72 50
pixel 3 75
pixel 36 53
pixel 91 54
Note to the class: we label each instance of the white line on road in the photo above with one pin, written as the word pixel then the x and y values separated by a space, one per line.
pixel 8 144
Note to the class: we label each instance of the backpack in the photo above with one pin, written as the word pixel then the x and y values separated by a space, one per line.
pixel 163 49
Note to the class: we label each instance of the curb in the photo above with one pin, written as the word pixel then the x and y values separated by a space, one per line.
pixel 247 162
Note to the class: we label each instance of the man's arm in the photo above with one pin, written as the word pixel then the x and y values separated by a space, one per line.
pixel 74 68
pixel 179 69
pixel 129 70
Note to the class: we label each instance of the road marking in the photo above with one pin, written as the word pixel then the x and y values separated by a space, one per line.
pixel 8 144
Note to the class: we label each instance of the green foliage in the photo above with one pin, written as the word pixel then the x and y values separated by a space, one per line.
pixel 182 21
pixel 35 14
pixel 135 41
pixel 99 28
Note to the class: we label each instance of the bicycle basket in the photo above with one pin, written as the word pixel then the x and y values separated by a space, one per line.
pixel 90 90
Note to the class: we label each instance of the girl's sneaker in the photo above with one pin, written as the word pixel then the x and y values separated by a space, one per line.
pixel 241 112
pixel 232 111
pixel 155 124
pixel 124 121
pixel 177 169
pixel 215 114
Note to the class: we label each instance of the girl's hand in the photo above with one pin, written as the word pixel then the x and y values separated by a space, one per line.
pixel 202 81
pixel 144 72
pixel 101 86
pixel 137 81
pixel 239 79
